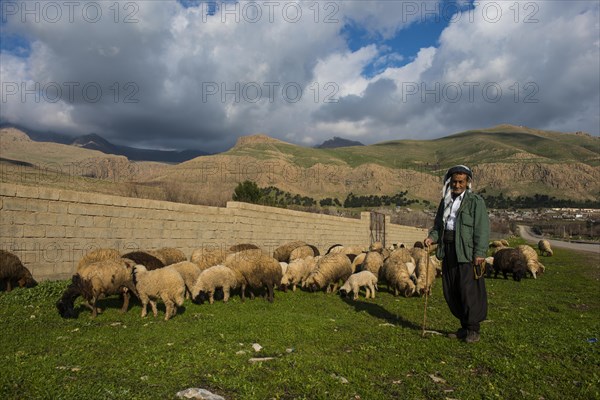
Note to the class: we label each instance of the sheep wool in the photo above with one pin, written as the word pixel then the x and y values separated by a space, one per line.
pixel 242 246
pixel 425 278
pixel 534 266
pixel 95 281
pixel 98 255
pixel 297 271
pixel 217 276
pixel 397 270
pixel 255 270
pixel 169 255
pixel 189 272
pixel 12 271
pixel 302 252
pixel 364 279
pixel 330 269
pixel 283 252
pixel 545 248
pixel 357 262
pixel 509 260
pixel 164 283
pixel 209 256
pixel 145 258
pixel 373 262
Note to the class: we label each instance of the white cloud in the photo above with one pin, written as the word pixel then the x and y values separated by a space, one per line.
pixel 176 77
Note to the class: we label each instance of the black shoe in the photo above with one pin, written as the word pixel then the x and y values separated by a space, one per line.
pixel 472 337
pixel 460 334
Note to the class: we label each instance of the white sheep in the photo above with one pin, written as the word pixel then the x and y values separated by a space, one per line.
pixel 534 266
pixel 297 272
pixel 545 248
pixel 164 283
pixel 95 281
pixel 217 276
pixel 189 272
pixel 364 279
pixel 329 270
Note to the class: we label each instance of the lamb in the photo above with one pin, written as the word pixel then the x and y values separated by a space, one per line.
pixel 95 281
pixel 330 269
pixel 12 271
pixel 425 277
pixel 98 255
pixel 397 270
pixel 534 266
pixel 208 256
pixel 189 272
pixel 545 248
pixel 364 279
pixel 509 260
pixel 218 276
pixel 164 283
pixel 145 258
pixel 256 270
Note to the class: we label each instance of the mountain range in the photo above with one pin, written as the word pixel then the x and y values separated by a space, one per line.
pixel 506 159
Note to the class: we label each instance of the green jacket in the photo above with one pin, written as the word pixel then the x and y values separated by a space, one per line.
pixel 472 229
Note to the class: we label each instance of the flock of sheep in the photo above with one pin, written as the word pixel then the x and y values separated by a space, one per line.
pixel 167 275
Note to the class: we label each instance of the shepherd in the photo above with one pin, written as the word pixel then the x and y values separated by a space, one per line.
pixel 462 229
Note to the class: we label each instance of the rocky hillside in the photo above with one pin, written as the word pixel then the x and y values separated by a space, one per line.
pixel 508 160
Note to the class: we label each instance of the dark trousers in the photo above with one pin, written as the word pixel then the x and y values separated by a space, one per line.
pixel 465 295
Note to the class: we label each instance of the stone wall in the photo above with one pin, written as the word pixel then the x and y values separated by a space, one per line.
pixel 51 229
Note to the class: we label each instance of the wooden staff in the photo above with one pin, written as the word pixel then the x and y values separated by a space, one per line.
pixel 426 293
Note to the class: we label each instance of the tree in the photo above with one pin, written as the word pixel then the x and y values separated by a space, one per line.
pixel 247 192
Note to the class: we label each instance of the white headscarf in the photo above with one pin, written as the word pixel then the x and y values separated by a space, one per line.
pixel 447 189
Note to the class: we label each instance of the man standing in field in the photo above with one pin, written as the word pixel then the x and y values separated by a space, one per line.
pixel 461 230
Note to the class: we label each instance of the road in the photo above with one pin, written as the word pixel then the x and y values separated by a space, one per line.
pixel 528 235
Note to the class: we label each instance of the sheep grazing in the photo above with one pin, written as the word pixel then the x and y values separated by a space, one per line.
pixel 372 262
pixel 218 276
pixel 509 260
pixel 534 266
pixel 330 269
pixel 209 256
pixel 98 255
pixel 397 270
pixel 425 278
pixel 95 281
pixel 364 279
pixel 255 270
pixel 497 245
pixel 169 255
pixel 13 272
pixel 164 283
pixel 303 252
pixel 283 252
pixel 242 246
pixel 145 258
pixel 297 272
pixel 357 262
pixel 545 248
pixel 189 272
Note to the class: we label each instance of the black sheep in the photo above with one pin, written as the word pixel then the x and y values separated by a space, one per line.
pixel 13 272
pixel 509 260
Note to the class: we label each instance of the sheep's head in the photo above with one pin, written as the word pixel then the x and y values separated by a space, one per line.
pixel 200 297
pixel 27 280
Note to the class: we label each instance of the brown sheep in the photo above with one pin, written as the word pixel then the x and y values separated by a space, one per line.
pixel 242 246
pixel 330 269
pixel 255 270
pixel 282 253
pixel 12 271
pixel 169 255
pixel 145 258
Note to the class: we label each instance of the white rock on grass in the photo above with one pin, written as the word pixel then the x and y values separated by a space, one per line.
pixel 198 394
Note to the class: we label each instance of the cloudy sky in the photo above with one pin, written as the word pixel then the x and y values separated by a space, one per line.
pixel 193 74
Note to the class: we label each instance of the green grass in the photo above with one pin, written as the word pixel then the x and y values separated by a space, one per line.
pixel 534 345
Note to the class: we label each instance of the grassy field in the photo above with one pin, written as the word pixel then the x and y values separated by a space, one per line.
pixel 538 343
